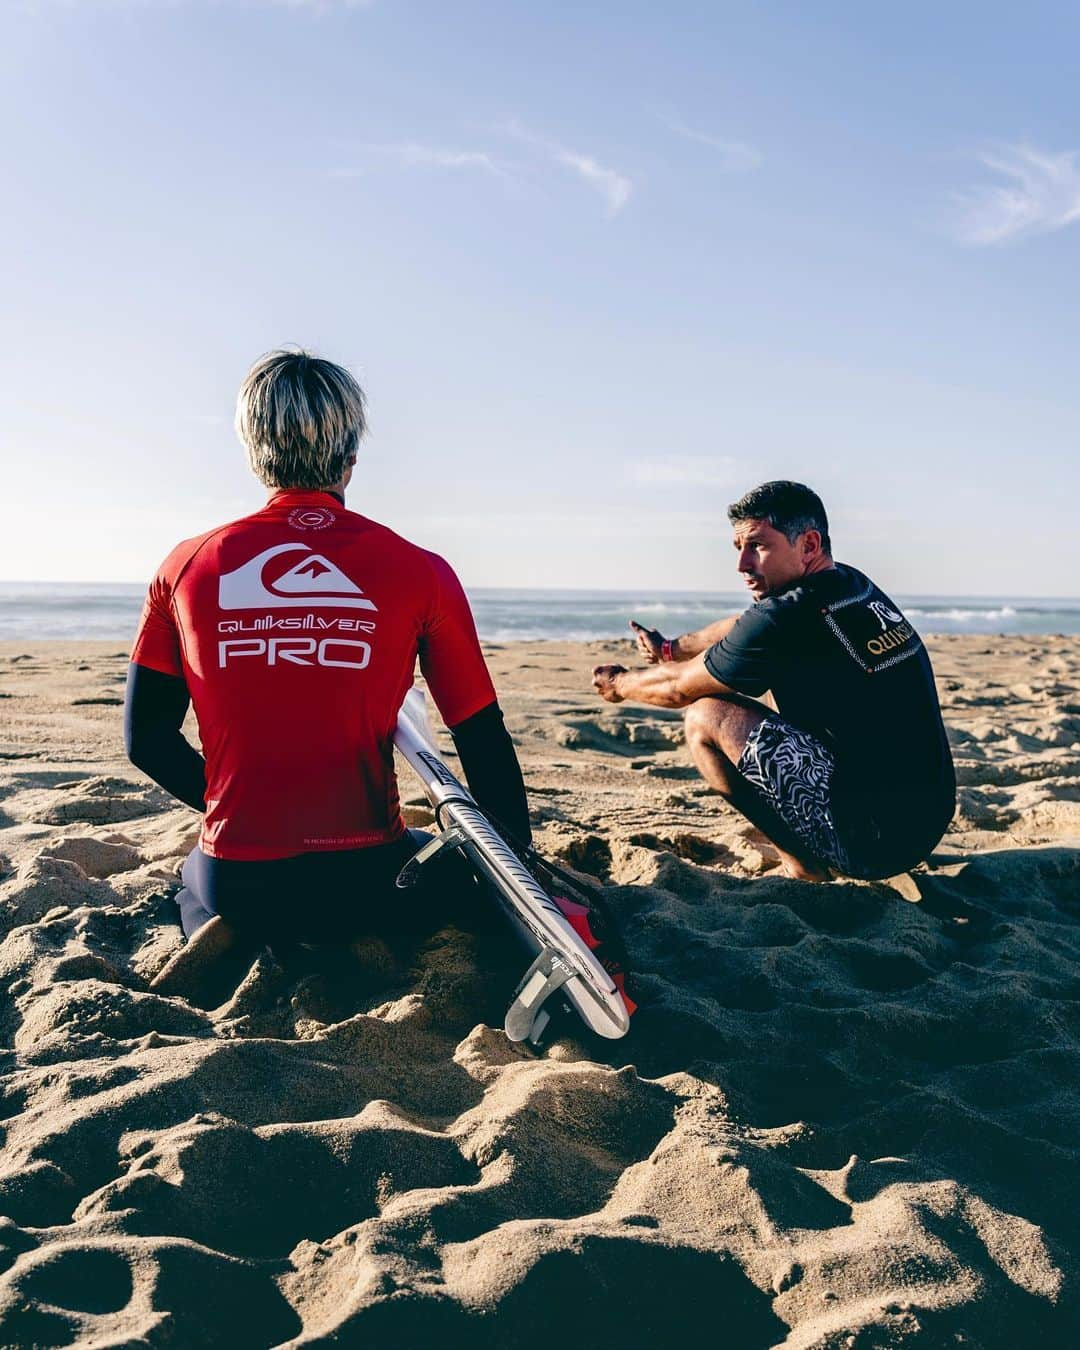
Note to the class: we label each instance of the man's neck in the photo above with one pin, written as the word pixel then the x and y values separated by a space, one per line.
pixel 338 491
pixel 822 563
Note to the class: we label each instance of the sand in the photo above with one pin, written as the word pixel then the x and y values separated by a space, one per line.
pixel 845 1114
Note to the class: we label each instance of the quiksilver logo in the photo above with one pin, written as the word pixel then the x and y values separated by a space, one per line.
pixel 884 615
pixel 890 640
pixel 312 580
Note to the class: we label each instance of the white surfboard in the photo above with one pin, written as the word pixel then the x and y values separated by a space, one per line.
pixel 564 966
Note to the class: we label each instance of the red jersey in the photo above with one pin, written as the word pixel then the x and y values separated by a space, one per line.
pixel 297 630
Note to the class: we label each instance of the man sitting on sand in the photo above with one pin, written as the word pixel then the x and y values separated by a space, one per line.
pixel 854 776
pixel 294 632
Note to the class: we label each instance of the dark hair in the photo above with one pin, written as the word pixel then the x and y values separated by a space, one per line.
pixel 791 508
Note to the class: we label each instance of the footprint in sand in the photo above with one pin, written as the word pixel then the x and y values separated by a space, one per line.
pixel 620 736
pixel 45 883
pixel 101 801
pixel 99 858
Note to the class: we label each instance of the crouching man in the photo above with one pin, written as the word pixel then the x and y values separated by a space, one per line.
pixel 852 774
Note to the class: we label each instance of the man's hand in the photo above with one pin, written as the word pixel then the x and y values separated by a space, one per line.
pixel 650 642
pixel 668 684
pixel 603 678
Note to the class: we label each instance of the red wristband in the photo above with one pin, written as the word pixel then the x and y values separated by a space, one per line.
pixel 666 653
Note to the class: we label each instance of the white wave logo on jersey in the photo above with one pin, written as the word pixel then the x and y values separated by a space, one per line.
pixel 884 614
pixel 312 580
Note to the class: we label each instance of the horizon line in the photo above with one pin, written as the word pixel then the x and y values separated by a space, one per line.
pixel 609 590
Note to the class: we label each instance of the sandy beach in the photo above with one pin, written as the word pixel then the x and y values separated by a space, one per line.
pixel 845 1114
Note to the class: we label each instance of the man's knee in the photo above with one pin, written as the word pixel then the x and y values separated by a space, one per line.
pixel 704 720
pixel 700 723
pixel 723 724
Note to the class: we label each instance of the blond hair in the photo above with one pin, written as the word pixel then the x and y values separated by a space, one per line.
pixel 300 418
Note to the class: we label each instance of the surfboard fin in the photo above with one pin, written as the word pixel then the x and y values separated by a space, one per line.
pixel 410 873
pixel 526 1017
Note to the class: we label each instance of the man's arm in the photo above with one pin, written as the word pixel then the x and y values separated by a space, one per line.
pixel 651 642
pixel 453 665
pixel 154 709
pixel 671 685
pixel 492 771
pixel 745 660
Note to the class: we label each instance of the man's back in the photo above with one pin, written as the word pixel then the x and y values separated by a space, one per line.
pixel 296 630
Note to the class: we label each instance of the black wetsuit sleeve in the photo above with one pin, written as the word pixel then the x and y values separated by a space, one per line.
pixel 749 658
pixel 492 770
pixel 154 709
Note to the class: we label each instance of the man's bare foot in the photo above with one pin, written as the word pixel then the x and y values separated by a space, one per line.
pixel 186 972
pixel 798 870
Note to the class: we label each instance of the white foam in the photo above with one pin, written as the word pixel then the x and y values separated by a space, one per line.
pixel 965 615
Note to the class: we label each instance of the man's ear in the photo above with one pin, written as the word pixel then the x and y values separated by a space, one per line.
pixel 811 543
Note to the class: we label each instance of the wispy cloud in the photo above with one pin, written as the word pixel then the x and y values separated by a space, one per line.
pixel 613 186
pixel 1040 193
pixel 735 156
pixel 686 471
pixel 413 155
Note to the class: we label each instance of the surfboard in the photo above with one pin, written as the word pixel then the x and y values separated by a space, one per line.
pixel 563 967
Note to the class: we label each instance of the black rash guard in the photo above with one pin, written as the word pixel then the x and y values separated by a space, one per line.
pixel 491 769
pixel 845 665
pixel 156 705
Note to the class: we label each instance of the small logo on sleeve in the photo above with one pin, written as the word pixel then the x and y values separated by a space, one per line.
pixel 263 583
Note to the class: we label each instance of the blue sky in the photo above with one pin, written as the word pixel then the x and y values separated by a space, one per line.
pixel 599 268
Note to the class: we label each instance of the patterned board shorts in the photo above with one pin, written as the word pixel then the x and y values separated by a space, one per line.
pixel 793 772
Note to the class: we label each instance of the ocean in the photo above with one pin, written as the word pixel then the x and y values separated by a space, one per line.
pixel 76 610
